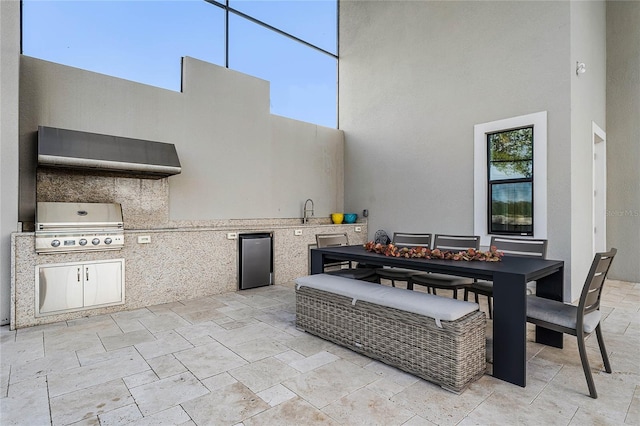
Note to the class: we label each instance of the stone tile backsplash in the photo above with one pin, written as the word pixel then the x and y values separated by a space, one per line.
pixel 145 202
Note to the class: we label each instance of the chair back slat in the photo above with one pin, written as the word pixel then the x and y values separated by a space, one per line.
pixel 331 240
pixel 404 239
pixel 592 298
pixel 456 242
pixel 520 246
pixel 603 266
pixel 592 290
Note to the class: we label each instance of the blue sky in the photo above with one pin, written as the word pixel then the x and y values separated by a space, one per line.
pixel 144 41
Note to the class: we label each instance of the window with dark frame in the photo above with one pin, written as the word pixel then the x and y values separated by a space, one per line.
pixel 510 181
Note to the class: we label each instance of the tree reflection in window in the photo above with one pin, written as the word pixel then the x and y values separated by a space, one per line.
pixel 510 175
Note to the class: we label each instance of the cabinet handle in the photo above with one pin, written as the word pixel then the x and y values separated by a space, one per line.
pixel 87 272
pixel 78 274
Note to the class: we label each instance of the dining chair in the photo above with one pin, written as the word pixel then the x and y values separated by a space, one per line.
pixel 341 268
pixel 435 281
pixel 404 239
pixel 581 320
pixel 510 247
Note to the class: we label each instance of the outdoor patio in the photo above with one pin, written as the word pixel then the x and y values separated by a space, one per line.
pixel 237 358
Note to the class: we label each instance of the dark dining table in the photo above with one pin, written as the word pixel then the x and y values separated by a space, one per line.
pixel 510 277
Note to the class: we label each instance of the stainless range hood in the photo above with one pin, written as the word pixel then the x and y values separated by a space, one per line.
pixel 82 150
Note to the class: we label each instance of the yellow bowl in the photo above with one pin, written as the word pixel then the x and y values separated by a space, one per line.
pixel 337 218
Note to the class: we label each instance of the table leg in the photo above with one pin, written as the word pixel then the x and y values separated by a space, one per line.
pixel 550 287
pixel 510 328
pixel 317 262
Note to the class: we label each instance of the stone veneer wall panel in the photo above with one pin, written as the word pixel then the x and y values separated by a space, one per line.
pixel 145 202
pixel 178 264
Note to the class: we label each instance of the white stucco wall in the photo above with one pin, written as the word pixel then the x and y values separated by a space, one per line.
pixel 415 77
pixel 9 76
pixel 588 104
pixel 309 164
pixel 623 137
pixel 237 159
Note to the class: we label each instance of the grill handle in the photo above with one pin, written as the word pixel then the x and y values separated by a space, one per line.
pixel 84 227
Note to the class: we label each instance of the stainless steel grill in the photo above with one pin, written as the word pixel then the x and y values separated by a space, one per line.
pixel 72 227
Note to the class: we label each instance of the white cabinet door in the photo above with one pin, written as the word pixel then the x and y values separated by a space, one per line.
pixel 60 288
pixel 102 283
pixel 75 286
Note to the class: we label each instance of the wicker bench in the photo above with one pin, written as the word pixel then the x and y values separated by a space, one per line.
pixel 439 339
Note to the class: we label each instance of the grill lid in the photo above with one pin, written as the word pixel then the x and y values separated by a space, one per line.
pixel 60 216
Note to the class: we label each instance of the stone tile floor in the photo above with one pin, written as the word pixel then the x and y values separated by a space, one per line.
pixel 237 358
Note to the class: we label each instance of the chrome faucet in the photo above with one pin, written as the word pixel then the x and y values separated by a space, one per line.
pixel 305 217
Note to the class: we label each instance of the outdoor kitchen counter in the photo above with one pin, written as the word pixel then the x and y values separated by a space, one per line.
pixel 182 261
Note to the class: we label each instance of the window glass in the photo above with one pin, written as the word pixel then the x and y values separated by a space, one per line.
pixel 314 21
pixel 142 41
pixel 512 208
pixel 510 156
pixel 510 170
pixel 303 80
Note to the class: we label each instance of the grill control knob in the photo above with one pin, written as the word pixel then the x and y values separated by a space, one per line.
pixel 83 242
pixel 107 240
pixel 55 243
pixel 95 241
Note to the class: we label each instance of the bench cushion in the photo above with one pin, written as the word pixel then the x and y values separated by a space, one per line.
pixel 437 307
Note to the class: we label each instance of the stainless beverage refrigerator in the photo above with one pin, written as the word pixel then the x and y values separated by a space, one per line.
pixel 255 267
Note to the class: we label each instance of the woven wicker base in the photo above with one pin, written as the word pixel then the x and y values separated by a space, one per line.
pixel 452 356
